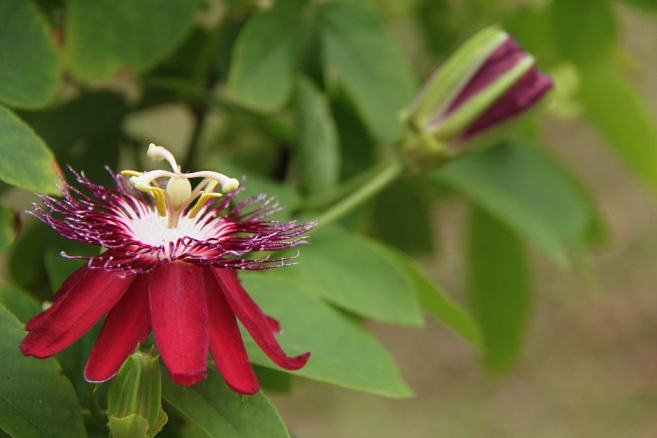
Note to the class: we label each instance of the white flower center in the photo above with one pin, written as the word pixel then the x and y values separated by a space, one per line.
pixel 152 229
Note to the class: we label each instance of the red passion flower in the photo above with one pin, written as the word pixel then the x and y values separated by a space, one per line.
pixel 169 266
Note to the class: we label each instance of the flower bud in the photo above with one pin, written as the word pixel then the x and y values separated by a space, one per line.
pixel 134 398
pixel 487 82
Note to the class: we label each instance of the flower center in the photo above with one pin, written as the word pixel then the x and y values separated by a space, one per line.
pixel 178 194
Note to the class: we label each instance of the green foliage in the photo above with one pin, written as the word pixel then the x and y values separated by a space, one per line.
pixel 8 227
pixel 359 55
pixel 342 352
pixel 618 111
pixel 106 36
pixel 219 412
pixel 498 288
pixel 528 192
pixel 30 68
pixel 377 289
pixel 266 53
pixel 37 400
pixel 26 160
pixel 318 160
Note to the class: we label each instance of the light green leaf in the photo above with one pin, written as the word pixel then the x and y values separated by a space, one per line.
pixel 105 36
pixel 617 109
pixel 8 226
pixel 262 71
pixel 26 161
pixel 359 54
pixel 584 31
pixel 23 305
pixel 221 413
pixel 498 288
pixel 357 274
pixel 36 400
pixel 530 193
pixel 29 71
pixel 342 352
pixel 318 153
pixel 435 301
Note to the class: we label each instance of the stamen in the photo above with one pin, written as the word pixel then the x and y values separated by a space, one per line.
pixel 160 199
pixel 202 200
pixel 130 173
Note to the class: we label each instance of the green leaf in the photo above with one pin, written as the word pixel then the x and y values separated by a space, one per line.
pixel 29 72
pixel 318 153
pixel 357 274
pixel 530 193
pixel 584 31
pixel 26 160
pixel 617 109
pixel 8 227
pixel 435 301
pixel 359 54
pixel 106 36
pixel 222 413
pixel 342 352
pixel 36 400
pixel 402 218
pixel 263 61
pixel 19 302
pixel 498 288
pixel 90 140
pixel 59 268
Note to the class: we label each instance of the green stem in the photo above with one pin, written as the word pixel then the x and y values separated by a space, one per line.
pixel 384 176
pixel 94 407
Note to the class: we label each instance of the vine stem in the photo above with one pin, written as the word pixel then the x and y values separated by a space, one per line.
pixel 384 177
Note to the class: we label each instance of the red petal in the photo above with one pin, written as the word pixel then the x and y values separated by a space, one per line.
pixel 64 290
pixel 255 321
pixel 274 324
pixel 226 342
pixel 179 315
pixel 81 301
pixel 128 324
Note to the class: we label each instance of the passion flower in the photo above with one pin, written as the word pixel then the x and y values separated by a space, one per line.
pixel 171 251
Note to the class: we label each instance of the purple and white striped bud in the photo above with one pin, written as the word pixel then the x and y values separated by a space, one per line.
pixel 487 82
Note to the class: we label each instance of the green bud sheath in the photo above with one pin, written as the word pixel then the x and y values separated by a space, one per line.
pixel 134 398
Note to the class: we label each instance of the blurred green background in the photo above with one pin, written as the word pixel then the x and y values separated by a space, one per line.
pixel 590 365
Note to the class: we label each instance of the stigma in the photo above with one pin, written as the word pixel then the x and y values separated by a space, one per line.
pixel 172 190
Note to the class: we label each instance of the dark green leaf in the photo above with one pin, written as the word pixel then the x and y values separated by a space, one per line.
pixel 23 305
pixel 106 36
pixel 357 274
pixel 360 55
pixel 402 217
pixel 318 153
pixel 530 193
pixel 342 352
pixel 8 227
pixel 26 160
pixel 498 288
pixel 59 268
pixel 37 400
pixel 29 71
pixel 584 30
pixel 272 380
pixel 622 115
pixel 221 413
pixel 84 132
pixel 265 54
